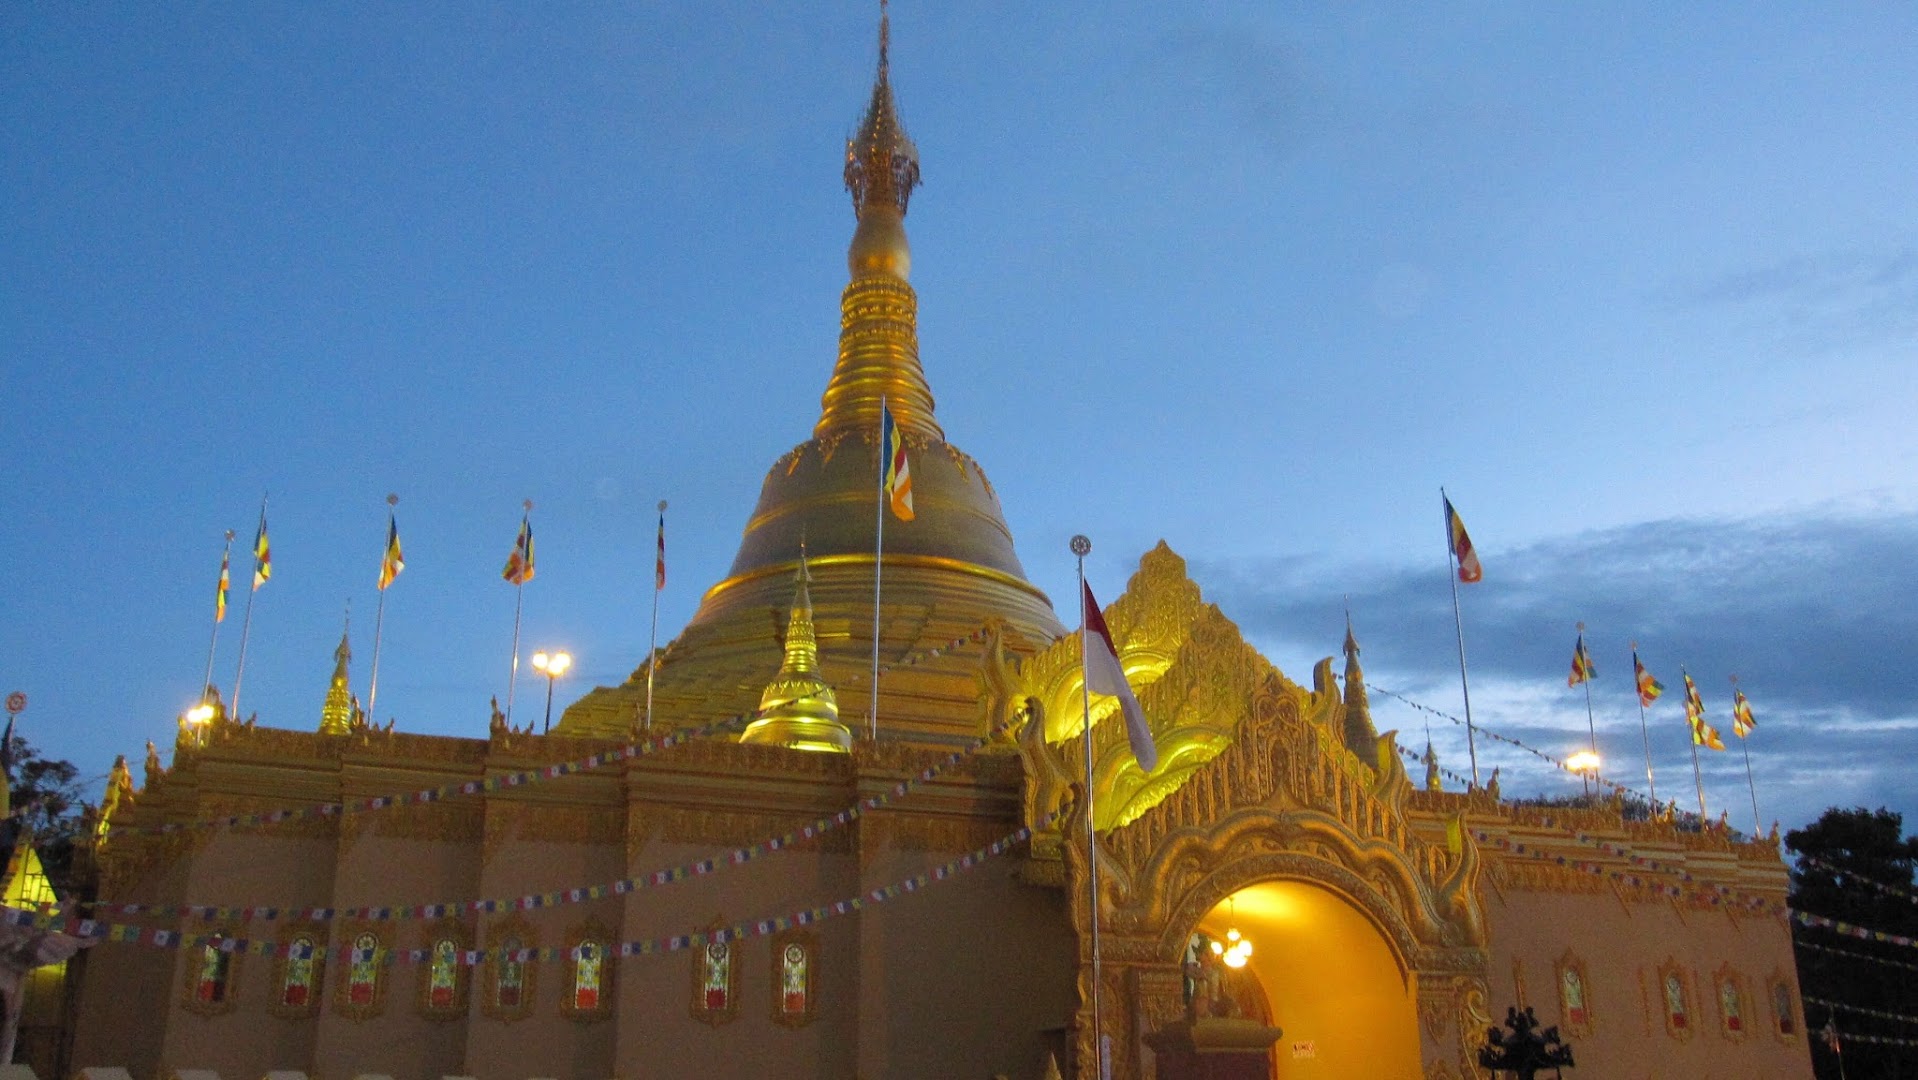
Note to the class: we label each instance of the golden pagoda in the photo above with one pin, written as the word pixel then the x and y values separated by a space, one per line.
pixel 944 573
pixel 798 709
pixel 336 713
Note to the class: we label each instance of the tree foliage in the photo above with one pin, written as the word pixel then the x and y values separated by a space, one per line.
pixel 1857 866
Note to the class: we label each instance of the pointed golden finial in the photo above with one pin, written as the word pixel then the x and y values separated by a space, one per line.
pixel 1360 735
pixel 336 714
pixel 882 164
pixel 798 709
pixel 878 329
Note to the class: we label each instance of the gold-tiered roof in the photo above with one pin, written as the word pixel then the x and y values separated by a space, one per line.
pixel 945 573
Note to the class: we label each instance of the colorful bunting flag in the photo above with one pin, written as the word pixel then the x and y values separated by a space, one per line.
pixel 391 563
pixel 1582 669
pixel 1742 722
pixel 897 481
pixel 1460 544
pixel 519 565
pixel 219 599
pixel 1648 687
pixel 659 555
pixel 1703 734
pixel 262 555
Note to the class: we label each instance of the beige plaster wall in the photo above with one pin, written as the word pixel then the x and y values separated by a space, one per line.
pixel 1622 945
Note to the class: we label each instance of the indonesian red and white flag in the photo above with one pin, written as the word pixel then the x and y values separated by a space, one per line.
pixel 1105 676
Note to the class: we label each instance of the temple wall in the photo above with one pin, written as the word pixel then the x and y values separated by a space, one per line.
pixel 1625 945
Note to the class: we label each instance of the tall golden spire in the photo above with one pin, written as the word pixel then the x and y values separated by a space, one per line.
pixel 798 708
pixel 878 312
pixel 336 715
pixel 1360 736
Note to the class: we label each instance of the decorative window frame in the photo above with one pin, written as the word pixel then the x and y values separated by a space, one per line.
pixel 431 935
pixel 781 941
pixel 1672 969
pixel 696 998
pixel 195 955
pixel 350 932
pixel 1582 1025
pixel 1795 1010
pixel 1721 979
pixel 290 932
pixel 514 927
pixel 600 934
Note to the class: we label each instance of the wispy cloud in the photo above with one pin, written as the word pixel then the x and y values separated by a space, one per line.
pixel 1821 302
pixel 1813 613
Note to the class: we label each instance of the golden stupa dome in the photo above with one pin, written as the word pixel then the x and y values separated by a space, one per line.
pixel 943 574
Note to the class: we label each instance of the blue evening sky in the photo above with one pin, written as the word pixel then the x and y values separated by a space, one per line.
pixel 1638 284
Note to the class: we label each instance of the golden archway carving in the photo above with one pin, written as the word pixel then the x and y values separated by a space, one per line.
pixel 1267 789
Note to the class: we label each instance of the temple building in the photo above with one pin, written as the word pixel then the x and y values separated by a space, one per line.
pixel 733 864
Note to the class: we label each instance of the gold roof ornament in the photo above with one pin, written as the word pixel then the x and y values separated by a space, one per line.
pixel 336 715
pixel 1360 736
pixel 798 709
pixel 947 572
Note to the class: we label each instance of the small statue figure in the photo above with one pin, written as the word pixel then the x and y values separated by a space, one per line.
pixel 358 722
pixel 1491 786
pixel 154 769
pixel 496 724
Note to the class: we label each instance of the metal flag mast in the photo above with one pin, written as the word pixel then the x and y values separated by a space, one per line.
pixel 878 568
pixel 219 616
pixel 1081 547
pixel 379 612
pixel 1739 728
pixel 519 600
pixel 1458 624
pixel 1591 725
pixel 246 623
pixel 1695 714
pixel 659 586
pixel 1644 729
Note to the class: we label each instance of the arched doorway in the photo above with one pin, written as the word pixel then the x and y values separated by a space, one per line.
pixel 1330 977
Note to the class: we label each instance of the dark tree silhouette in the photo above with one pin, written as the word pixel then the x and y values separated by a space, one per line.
pixel 1840 854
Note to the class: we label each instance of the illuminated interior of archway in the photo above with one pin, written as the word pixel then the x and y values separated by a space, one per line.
pixel 1330 978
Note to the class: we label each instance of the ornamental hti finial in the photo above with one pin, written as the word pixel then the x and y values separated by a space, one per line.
pixel 882 164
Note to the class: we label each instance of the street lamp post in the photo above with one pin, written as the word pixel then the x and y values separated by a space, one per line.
pixel 551 665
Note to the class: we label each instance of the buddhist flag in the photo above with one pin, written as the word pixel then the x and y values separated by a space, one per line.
pixel 659 554
pixel 1582 669
pixel 219 598
pixel 1742 722
pixel 391 563
pixel 262 555
pixel 1460 544
pixel 1703 734
pixel 519 565
pixel 896 479
pixel 1104 676
pixel 1648 687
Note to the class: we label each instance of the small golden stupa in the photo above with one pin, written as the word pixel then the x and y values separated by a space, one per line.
pixel 945 573
pixel 798 709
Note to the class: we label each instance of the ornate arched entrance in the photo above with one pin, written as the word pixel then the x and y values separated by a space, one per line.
pixel 1276 788
pixel 1323 971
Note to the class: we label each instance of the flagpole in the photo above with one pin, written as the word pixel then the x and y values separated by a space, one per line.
pixel 1458 623
pixel 652 646
pixel 878 568
pixel 1644 729
pixel 1698 777
pixel 246 623
pixel 1750 784
pixel 519 601
pixel 206 684
pixel 1081 547
pixel 379 619
pixel 1591 725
